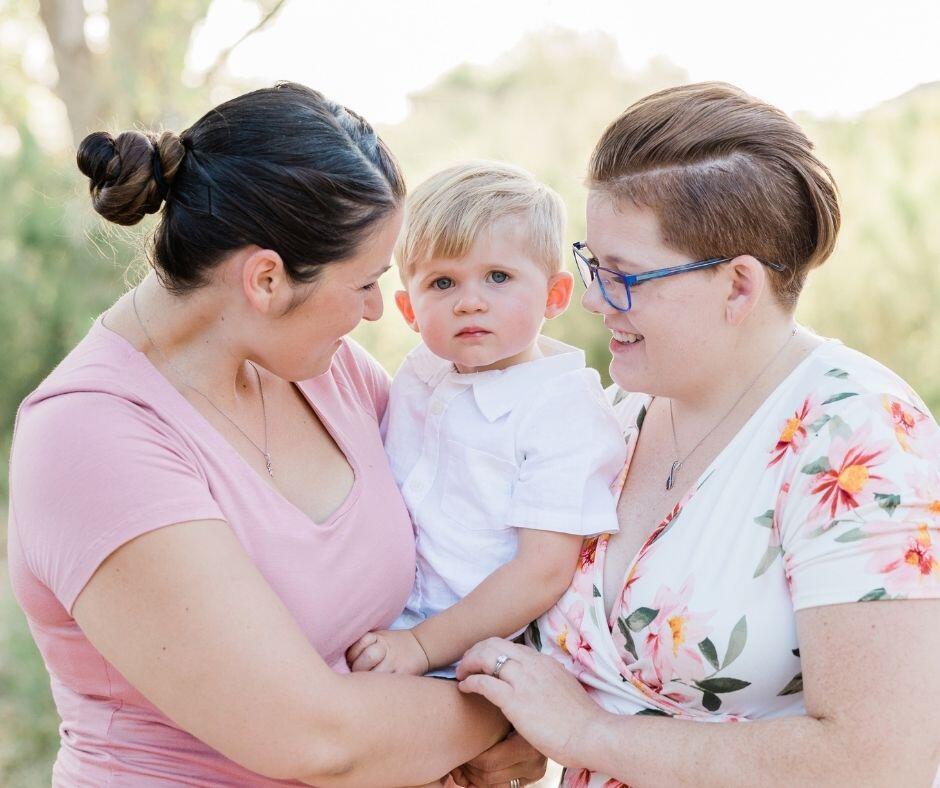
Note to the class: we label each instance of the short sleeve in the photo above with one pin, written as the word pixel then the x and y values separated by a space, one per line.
pixel 367 376
pixel 859 518
pixel 573 450
pixel 88 473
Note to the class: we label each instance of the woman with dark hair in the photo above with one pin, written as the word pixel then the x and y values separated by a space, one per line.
pixel 776 563
pixel 202 516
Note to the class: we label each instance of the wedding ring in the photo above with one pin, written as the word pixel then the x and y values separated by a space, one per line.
pixel 515 782
pixel 501 660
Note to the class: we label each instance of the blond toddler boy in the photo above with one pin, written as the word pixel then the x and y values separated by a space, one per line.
pixel 500 439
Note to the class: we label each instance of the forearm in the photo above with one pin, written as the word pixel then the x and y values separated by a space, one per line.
pixel 400 730
pixel 501 605
pixel 651 751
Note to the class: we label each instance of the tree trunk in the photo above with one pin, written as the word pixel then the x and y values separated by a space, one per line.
pixel 79 85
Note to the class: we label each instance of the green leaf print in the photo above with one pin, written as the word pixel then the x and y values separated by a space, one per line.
pixel 722 684
pixel 818 466
pixel 641 617
pixel 852 536
pixel 817 425
pixel 736 642
pixel 710 653
pixel 711 702
pixel 651 713
pixel 766 519
pixel 838 428
pixel 888 502
pixel 770 555
pixel 597 591
pixel 837 397
pixel 534 636
pixel 837 373
pixel 619 396
pixel 874 595
pixel 793 686
pixel 640 417
pixel 628 638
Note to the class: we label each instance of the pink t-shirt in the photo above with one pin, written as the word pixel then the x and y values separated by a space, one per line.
pixel 106 450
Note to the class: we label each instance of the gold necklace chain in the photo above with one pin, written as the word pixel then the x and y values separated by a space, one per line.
pixel 264 415
pixel 678 463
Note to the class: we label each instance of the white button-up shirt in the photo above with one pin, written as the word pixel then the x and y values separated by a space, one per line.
pixel 478 455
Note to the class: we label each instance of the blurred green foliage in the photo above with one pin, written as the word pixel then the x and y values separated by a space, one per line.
pixel 542 106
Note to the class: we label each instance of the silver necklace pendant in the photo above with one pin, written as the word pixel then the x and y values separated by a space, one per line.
pixel 671 479
pixel 267 463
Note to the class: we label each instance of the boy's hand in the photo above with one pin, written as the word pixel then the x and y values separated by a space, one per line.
pixel 388 651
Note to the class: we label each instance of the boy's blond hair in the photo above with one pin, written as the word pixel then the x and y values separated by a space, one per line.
pixel 447 212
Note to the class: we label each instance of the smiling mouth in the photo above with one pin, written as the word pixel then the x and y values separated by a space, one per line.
pixel 627 338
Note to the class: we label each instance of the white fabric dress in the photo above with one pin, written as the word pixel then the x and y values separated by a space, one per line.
pixel 829 494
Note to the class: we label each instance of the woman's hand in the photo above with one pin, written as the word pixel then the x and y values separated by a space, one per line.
pixel 542 700
pixel 512 759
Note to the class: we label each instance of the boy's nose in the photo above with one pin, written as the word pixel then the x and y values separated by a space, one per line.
pixel 469 301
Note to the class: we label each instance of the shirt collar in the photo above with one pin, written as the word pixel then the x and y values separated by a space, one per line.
pixel 498 391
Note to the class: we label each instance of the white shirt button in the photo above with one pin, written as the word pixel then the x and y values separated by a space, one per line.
pixel 437 407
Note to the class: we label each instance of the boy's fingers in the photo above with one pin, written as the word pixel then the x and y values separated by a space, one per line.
pixel 369 658
pixel 353 652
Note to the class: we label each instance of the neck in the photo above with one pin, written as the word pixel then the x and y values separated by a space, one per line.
pixel 752 357
pixel 189 338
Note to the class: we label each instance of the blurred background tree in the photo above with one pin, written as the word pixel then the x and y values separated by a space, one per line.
pixel 543 105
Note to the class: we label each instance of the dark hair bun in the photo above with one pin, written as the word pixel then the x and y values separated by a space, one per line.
pixel 124 184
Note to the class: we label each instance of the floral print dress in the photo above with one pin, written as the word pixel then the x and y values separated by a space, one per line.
pixel 830 493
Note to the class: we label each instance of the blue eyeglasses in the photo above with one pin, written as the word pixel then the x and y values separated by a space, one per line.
pixel 615 286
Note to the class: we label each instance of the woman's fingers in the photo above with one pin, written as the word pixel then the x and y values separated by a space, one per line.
pixel 495 691
pixel 482 657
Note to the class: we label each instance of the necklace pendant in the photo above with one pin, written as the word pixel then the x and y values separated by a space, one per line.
pixel 671 479
pixel 267 463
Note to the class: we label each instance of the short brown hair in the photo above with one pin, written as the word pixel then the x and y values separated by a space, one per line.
pixel 447 212
pixel 726 175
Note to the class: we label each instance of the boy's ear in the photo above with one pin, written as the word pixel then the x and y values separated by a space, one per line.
pixel 403 302
pixel 559 294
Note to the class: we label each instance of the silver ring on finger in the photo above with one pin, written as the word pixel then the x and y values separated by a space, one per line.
pixel 515 782
pixel 501 660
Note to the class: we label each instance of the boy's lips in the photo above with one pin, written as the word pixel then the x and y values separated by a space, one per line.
pixel 472 331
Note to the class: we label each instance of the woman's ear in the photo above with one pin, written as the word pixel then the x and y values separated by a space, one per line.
pixel 747 281
pixel 265 282
pixel 559 294
pixel 403 302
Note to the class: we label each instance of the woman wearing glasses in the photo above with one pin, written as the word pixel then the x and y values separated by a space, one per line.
pixel 779 513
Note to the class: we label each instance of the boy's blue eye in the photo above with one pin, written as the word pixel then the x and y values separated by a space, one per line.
pixel 442 283
pixel 498 277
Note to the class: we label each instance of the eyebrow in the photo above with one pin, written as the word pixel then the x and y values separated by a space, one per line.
pixel 382 271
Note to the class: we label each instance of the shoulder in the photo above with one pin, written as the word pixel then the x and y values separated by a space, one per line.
pixel 846 393
pixel 361 377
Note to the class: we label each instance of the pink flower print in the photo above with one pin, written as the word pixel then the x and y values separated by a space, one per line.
pixel 912 564
pixel 566 633
pixel 674 635
pixel 926 493
pixel 588 554
pixel 612 783
pixel 579 779
pixel 793 431
pixel 906 420
pixel 850 480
